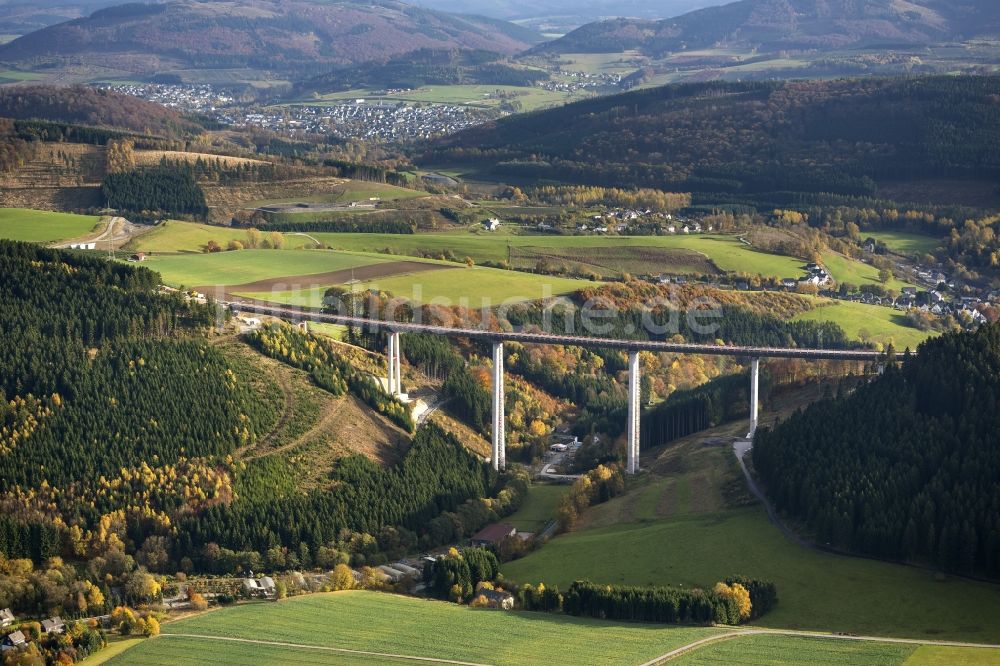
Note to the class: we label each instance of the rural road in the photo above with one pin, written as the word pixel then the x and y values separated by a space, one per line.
pixel 118 231
pixel 730 635
pixel 741 447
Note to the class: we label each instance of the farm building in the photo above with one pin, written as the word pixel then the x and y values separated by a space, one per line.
pixel 83 246
pixel 497 599
pixel 394 575
pixel 262 587
pixel 493 534
pixel 14 640
pixel 6 617
pixel 407 569
pixel 53 625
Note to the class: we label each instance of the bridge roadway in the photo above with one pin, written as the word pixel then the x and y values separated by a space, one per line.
pixel 300 314
pixel 497 338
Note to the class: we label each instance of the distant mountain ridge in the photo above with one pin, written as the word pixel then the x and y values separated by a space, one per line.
pixel 299 37
pixel 772 25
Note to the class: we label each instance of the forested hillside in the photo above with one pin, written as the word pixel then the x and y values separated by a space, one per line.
pixel 905 467
pixel 82 105
pixel 122 432
pixel 295 37
pixel 771 25
pixel 744 142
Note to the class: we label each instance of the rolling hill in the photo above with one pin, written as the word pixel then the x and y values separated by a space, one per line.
pixel 771 25
pixel 752 140
pixel 293 38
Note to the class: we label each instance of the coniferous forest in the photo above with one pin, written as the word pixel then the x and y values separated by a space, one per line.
pixel 905 467
pixel 121 427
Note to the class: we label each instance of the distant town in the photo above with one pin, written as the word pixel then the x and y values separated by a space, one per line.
pixel 360 118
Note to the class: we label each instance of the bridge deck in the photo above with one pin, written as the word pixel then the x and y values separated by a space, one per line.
pixel 299 314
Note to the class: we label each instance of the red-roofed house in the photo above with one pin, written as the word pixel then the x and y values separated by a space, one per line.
pixel 493 534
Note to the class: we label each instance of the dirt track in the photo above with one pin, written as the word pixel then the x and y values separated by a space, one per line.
pixel 363 273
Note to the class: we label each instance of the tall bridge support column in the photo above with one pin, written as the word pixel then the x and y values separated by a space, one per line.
pixel 398 348
pixel 499 436
pixel 754 394
pixel 634 411
pixel 395 384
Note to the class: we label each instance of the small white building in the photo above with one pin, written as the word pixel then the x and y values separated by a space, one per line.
pixel 83 246
pixel 491 224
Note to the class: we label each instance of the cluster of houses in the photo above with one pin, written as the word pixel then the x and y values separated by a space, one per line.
pixel 815 275
pixel 16 639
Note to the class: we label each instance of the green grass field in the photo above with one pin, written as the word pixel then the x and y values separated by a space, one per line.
pixel 352 190
pixel 903 242
pixel 761 649
pixel 229 268
pixel 403 625
pixel 856 272
pixel 538 509
pixel 936 655
pixel 817 591
pixel 726 252
pixel 42 226
pixel 868 322
pixel 531 98
pixel 475 287
pixel 176 236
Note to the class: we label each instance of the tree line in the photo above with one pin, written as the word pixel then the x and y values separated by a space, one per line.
pixel 904 467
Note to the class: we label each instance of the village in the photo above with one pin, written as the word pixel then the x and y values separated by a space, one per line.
pixel 360 118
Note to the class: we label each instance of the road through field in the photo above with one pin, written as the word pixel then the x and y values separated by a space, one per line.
pixel 742 633
pixel 321 648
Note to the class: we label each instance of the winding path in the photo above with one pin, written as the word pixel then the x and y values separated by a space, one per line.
pixel 741 633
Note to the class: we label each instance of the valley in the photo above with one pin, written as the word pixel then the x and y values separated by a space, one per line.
pixel 486 334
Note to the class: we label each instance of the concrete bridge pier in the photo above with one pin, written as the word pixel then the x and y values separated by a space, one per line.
pixel 499 436
pixel 395 383
pixel 634 412
pixel 754 395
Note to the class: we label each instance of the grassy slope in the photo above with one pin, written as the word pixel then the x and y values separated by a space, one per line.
pixel 903 242
pixel 725 251
pixel 41 226
pixel 856 272
pixel 538 509
pixel 403 625
pixel 351 190
pixel 175 236
pixel 883 324
pixel 673 527
pixel 759 649
pixel 227 268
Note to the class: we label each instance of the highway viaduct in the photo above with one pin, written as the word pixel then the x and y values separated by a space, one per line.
pixel 497 338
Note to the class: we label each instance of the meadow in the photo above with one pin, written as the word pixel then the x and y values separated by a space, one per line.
pixel 905 243
pixel 244 266
pixel 474 95
pixel 384 623
pixel 867 322
pixel 538 509
pixel 801 650
pixel 474 287
pixel 856 272
pixel 679 525
pixel 42 226
pixel 726 252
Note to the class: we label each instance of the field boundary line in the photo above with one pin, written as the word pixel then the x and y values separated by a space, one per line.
pixel 811 634
pixel 326 648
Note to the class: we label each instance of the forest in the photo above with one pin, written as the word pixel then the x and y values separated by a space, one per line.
pixel 84 105
pixel 167 189
pixel 134 423
pixel 750 139
pixel 905 467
